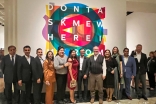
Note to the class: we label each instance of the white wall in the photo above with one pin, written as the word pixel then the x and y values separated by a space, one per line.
pixel 30 21
pixel 141 29
pixel 1 36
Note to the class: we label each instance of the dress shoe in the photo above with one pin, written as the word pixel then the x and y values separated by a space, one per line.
pixel 92 100
pixel 138 97
pixel 144 97
pixel 129 97
pixel 85 100
pixel 65 101
pixel 80 100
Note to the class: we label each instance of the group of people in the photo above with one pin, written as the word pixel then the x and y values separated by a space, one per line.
pixel 109 71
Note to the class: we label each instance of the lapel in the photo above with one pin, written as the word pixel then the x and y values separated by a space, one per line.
pixel 9 59
pixel 26 60
pixel 141 57
pixel 37 58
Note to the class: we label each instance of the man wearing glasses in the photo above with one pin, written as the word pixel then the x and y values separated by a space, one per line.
pixel 97 69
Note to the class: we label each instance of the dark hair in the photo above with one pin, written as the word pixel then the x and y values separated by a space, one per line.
pixel 109 52
pixel 117 50
pixel 11 46
pixel 38 49
pixel 59 48
pixel 125 49
pixel 48 57
pixel 155 50
pixel 152 52
pixel 70 56
pixel 139 45
pixel 27 46
pixel 81 49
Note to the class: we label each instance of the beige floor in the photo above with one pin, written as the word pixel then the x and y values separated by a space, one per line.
pixel 134 101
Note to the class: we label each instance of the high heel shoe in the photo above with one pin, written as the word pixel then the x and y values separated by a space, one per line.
pixel 73 102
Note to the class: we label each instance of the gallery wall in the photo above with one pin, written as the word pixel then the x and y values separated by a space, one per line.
pixel 30 22
pixel 141 29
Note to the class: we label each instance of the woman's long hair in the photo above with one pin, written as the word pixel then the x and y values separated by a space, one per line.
pixel 70 55
pixel 48 57
pixel 59 48
pixel 109 52
pixel 117 50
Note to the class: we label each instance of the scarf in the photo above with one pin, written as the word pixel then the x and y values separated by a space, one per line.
pixel 116 56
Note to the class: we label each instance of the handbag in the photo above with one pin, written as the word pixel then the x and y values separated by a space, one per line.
pixel 73 83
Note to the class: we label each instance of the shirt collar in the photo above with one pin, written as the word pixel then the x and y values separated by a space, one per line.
pixel 27 57
pixel 11 55
pixel 96 55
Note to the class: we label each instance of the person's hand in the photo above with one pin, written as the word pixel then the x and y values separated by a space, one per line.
pixel 47 83
pixel 39 81
pixel 132 77
pixel 66 64
pixel 154 74
pixel 103 77
pixel 112 71
pixel 20 82
pixel 85 76
pixel 121 75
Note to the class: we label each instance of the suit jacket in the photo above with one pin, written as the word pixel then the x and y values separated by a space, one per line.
pixel 39 69
pixel 142 66
pixel 84 65
pixel 152 65
pixel 26 71
pixel 9 70
pixel 130 68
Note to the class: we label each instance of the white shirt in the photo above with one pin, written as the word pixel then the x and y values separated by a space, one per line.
pixel 138 56
pixel 104 67
pixel 81 62
pixel 28 58
pixel 95 57
pixel 13 57
pixel 125 61
pixel 41 60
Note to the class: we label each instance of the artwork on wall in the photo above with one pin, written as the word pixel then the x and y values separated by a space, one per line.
pixel 74 26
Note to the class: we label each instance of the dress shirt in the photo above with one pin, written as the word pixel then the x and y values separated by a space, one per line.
pixel 28 58
pixel 95 57
pixel 125 61
pixel 13 57
pixel 138 56
pixel 41 60
pixel 81 62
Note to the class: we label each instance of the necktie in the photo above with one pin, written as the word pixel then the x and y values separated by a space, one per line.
pixel 13 60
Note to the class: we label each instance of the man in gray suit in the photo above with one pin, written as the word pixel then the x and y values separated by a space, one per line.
pixel 129 69
pixel 9 69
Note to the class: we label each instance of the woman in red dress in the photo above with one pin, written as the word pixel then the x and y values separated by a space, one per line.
pixel 72 74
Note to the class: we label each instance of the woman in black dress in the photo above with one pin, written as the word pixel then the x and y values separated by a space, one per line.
pixel 151 70
pixel 111 63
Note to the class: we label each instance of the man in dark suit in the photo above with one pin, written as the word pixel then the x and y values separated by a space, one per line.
pixel 26 72
pixel 1 56
pixel 38 82
pixel 141 65
pixel 82 76
pixel 129 69
pixel 9 69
